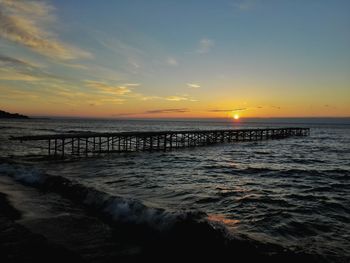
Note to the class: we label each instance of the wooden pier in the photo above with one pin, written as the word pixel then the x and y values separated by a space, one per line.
pixel 86 144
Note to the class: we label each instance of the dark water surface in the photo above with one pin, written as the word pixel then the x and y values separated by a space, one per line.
pixel 295 191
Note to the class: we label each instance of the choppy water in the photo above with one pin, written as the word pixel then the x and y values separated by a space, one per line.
pixel 294 192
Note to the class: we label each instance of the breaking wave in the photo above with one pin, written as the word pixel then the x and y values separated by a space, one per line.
pixel 181 229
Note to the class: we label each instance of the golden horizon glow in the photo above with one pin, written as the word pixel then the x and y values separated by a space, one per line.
pixel 236 116
pixel 53 63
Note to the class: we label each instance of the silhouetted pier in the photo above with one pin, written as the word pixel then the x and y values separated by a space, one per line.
pixel 85 144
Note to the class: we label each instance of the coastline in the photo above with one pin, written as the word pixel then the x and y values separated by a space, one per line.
pixel 8 115
pixel 18 244
pixel 88 234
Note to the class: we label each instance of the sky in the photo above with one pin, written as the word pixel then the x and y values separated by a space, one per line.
pixel 181 59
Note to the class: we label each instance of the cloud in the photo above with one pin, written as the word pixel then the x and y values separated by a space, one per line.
pixel 16 69
pixel 75 66
pixel 174 98
pixel 145 98
pixel 227 110
pixel 205 45
pixel 6 74
pixel 179 98
pixel 157 111
pixel 132 84
pixel 9 93
pixel 193 85
pixel 96 96
pixel 103 87
pixel 134 63
pixel 26 23
pixel 245 5
pixel 110 100
pixel 172 61
pixel 5 60
pixel 181 110
pixel 59 93
pixel 133 56
pixel 117 46
pixel 276 107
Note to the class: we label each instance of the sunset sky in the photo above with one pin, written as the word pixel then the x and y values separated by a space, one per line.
pixel 179 58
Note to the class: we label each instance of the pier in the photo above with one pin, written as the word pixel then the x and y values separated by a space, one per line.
pixel 89 143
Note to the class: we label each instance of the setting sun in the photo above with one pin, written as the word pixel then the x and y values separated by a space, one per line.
pixel 236 116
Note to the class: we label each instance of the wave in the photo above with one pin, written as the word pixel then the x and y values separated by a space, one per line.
pixel 274 172
pixel 115 207
pixel 261 199
pixel 269 172
pixel 306 161
pixel 12 127
pixel 177 233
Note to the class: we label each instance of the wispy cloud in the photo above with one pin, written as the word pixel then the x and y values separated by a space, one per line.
pixel 6 74
pixel 193 85
pixel 227 110
pixel 179 98
pixel 9 93
pixel 174 98
pixel 71 94
pixel 108 89
pixel 244 5
pixel 133 57
pixel 181 110
pixel 60 93
pixel 117 46
pixel 131 84
pixel 146 98
pixel 17 69
pixel 276 107
pixel 172 61
pixel 5 60
pixel 205 45
pixel 27 23
pixel 157 111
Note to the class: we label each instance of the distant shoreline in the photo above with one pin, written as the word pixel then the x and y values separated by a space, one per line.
pixel 8 115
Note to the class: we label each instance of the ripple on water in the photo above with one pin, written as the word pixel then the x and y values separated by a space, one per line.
pixel 295 190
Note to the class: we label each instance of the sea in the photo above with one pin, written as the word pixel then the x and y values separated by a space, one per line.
pixel 294 192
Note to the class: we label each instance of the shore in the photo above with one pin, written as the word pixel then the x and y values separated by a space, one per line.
pixel 40 225
pixel 18 244
pixel 54 230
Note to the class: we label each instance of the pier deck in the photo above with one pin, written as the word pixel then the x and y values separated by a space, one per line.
pixel 85 144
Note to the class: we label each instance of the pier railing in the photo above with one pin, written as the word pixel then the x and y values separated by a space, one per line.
pixel 85 144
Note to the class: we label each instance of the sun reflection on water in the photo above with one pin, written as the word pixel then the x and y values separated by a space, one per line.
pixel 231 223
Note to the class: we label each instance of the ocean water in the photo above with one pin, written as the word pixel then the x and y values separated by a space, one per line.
pixel 294 192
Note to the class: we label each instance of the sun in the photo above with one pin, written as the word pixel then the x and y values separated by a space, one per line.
pixel 236 116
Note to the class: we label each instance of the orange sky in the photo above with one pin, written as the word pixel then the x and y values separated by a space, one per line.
pixel 255 60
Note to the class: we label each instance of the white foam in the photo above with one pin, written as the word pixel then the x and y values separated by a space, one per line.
pixel 120 209
pixel 128 210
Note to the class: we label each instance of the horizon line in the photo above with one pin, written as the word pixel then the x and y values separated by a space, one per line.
pixel 162 118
